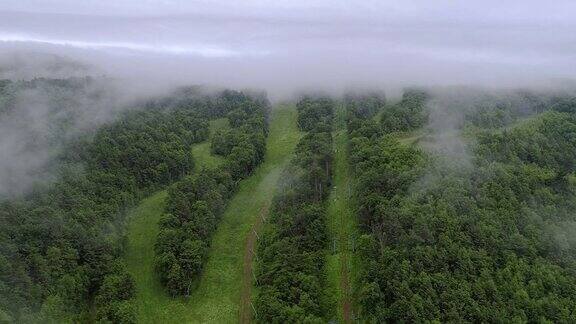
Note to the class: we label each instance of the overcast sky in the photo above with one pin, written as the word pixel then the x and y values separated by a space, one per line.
pixel 290 44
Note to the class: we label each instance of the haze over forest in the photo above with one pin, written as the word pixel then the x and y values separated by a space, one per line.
pixel 287 46
pixel 173 161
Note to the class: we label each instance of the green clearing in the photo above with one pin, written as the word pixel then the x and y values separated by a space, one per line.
pixel 201 151
pixel 217 298
pixel 342 230
pixel 152 302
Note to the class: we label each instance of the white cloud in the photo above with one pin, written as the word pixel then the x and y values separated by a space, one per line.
pixel 198 50
pixel 326 42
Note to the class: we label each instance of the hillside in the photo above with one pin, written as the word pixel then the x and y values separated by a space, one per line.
pixel 218 296
pixel 219 208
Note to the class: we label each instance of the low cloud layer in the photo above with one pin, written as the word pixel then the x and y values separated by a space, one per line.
pixel 287 45
pixel 283 47
pixel 38 118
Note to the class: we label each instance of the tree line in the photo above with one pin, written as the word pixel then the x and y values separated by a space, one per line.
pixel 196 203
pixel 292 249
pixel 61 244
pixel 408 114
pixel 456 242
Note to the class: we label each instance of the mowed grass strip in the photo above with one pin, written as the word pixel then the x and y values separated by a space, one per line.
pixel 342 230
pixel 201 151
pixel 217 298
pixel 154 306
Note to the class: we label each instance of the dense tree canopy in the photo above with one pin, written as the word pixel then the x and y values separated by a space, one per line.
pixel 482 234
pixel 314 110
pixel 364 104
pixel 449 241
pixel 196 203
pixel 408 114
pixel 60 245
pixel 293 248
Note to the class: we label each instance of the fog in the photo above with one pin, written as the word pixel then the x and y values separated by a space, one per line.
pixel 139 49
pixel 42 118
pixel 287 46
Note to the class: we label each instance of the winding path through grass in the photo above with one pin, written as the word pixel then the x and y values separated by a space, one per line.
pixel 217 299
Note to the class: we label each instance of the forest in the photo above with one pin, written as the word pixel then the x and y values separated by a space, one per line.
pixel 61 244
pixel 481 240
pixel 287 162
pixel 292 250
pixel 462 205
pixel 196 203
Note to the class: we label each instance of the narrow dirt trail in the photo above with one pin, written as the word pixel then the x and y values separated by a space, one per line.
pixel 280 155
pixel 217 299
pixel 247 275
pixel 219 294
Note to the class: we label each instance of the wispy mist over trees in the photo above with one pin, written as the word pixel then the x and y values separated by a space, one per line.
pixel 478 243
pixel 61 245
pixel 287 162
pixel 40 116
